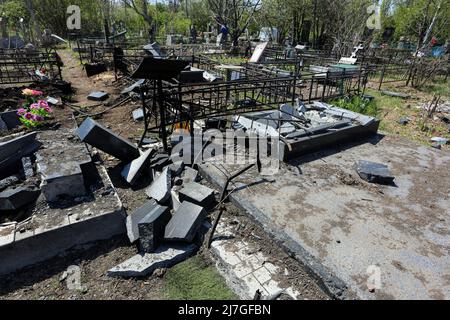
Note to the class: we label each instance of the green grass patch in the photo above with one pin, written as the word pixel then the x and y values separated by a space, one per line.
pixel 441 88
pixel 357 104
pixel 194 280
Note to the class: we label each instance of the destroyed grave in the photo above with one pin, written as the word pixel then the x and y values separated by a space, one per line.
pixel 337 181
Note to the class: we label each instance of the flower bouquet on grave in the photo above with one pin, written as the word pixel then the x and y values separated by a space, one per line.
pixel 34 110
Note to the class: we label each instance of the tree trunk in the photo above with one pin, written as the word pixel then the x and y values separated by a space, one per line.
pixel 33 24
pixel 433 22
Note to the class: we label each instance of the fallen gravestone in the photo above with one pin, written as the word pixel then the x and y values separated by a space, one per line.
pixel 98 96
pixel 101 138
pixel 176 168
pixel 52 101
pixel 374 172
pixel 154 50
pixel 160 188
pixel 133 171
pixel 190 175
pixel 147 141
pixel 144 265
pixel 258 52
pixel 93 69
pixel 192 76
pixel 152 228
pixel 16 198
pixel 160 161
pixel 136 216
pixel 197 194
pixel 12 152
pixel 439 140
pixel 11 119
pixel 403 121
pixel 63 166
pixel 184 224
pixel 396 94
pixel 138 114
pixel 3 125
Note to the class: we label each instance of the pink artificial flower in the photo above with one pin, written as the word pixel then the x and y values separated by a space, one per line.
pixel 38 118
pixel 35 106
pixel 48 109
pixel 28 116
pixel 21 111
pixel 37 93
pixel 43 104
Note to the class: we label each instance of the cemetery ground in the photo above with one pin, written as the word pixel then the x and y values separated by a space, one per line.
pixel 196 278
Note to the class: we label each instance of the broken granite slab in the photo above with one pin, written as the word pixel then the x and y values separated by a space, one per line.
pixel 403 121
pixel 7 233
pixel 154 50
pixel 52 101
pixel 136 216
pixel 16 198
pixel 10 181
pixel 175 197
pixel 160 161
pixel 190 175
pixel 12 151
pixel 101 138
pixel 98 96
pixel 152 227
pixel 374 172
pixel 185 223
pixel 133 87
pixel 396 94
pixel 144 265
pixel 197 194
pixel 27 166
pixel 3 125
pixel 61 164
pixel 133 171
pixel 11 119
pixel 176 168
pixel 439 140
pixel 160 188
pixel 138 114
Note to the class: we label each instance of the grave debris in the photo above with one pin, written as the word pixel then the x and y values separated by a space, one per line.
pixel 185 223
pixel 133 170
pixel 138 114
pixel 16 198
pixel 374 172
pixel 396 94
pixel 133 219
pixel 403 121
pixel 160 188
pixel 142 265
pixel 98 96
pixel 190 175
pixel 152 227
pixel 198 194
pixel 439 140
pixel 12 152
pixel 104 139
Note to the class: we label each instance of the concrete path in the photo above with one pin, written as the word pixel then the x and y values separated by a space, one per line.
pixel 380 242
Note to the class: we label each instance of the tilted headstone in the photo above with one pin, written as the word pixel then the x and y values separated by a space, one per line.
pixel 104 139
pixel 185 223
